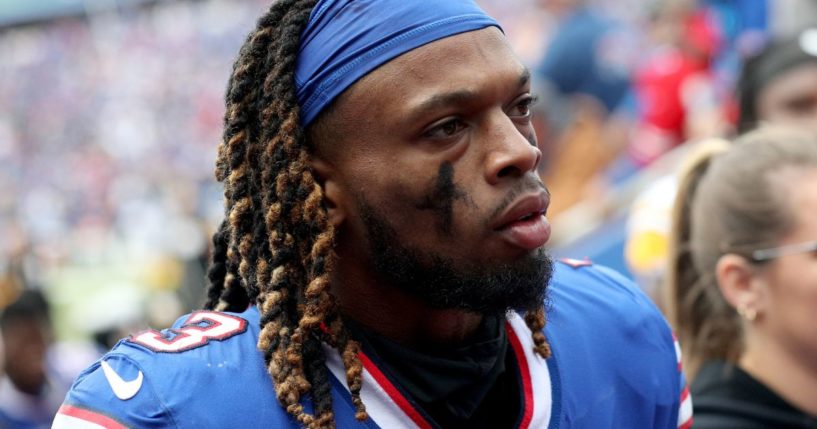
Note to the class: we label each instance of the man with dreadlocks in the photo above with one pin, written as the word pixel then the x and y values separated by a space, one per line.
pixel 382 255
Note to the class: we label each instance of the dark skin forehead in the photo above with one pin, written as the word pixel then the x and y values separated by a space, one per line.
pixel 422 87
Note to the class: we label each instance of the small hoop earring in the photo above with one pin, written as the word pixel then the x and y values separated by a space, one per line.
pixel 748 313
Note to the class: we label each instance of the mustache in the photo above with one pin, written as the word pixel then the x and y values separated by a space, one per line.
pixel 530 184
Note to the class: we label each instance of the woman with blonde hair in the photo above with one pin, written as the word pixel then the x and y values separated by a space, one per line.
pixel 742 285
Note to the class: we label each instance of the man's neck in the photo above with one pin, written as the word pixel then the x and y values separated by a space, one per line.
pixel 401 317
pixel 786 374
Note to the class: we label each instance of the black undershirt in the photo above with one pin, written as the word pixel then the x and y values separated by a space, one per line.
pixel 472 385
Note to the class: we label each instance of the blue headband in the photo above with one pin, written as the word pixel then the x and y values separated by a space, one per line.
pixel 346 39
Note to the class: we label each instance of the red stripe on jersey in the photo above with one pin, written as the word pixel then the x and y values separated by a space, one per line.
pixel 393 393
pixel 686 425
pixel 525 375
pixel 90 416
pixel 684 394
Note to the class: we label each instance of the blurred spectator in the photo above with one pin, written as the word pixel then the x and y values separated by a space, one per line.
pixel 743 281
pixel 778 86
pixel 648 227
pixel 675 86
pixel 590 54
pixel 30 394
pixel 582 81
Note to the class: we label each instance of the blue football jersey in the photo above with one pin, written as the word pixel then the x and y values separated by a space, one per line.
pixel 614 365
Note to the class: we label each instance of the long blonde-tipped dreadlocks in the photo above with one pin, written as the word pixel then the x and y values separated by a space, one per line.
pixel 275 246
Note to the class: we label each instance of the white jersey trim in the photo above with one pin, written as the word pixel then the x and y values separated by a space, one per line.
pixel 379 405
pixel 538 372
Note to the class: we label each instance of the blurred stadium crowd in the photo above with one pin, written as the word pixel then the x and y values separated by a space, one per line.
pixel 107 144
pixel 111 115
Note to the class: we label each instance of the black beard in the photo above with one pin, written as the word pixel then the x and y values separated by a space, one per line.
pixel 441 283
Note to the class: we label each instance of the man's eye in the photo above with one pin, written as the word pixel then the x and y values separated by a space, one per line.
pixel 523 109
pixel 447 129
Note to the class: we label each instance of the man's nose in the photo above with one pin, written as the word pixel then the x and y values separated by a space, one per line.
pixel 512 154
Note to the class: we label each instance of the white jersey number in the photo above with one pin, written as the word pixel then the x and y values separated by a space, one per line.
pixel 198 330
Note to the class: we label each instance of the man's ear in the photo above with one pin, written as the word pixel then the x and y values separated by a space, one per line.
pixel 325 174
pixel 738 281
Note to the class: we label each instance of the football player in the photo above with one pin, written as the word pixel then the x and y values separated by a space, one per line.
pixel 382 259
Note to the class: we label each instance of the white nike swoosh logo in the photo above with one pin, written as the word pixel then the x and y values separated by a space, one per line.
pixel 123 390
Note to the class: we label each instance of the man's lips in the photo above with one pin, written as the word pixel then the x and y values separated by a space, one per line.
pixel 524 223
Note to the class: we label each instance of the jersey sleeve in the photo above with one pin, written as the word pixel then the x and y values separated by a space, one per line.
pixel 617 357
pixel 113 393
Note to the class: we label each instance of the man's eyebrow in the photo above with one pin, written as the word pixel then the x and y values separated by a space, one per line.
pixel 438 101
pixel 459 97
